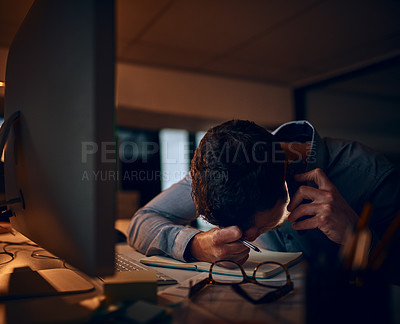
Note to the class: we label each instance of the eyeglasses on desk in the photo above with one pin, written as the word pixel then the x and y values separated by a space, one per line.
pixel 281 287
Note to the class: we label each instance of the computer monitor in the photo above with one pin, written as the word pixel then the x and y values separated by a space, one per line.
pixel 60 154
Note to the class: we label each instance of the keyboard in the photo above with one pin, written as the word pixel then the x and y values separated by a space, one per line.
pixel 124 263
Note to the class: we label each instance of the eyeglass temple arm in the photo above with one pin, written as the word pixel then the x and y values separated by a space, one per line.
pixel 271 296
pixel 198 287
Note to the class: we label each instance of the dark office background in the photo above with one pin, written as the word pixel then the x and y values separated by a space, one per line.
pixel 363 105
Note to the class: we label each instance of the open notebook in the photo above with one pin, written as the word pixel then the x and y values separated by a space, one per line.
pixel 255 258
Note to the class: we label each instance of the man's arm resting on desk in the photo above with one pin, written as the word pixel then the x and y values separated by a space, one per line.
pixel 152 234
pixel 160 226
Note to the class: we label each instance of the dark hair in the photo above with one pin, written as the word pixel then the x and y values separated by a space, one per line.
pixel 237 170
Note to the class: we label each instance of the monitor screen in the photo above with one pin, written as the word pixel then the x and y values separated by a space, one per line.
pixel 60 153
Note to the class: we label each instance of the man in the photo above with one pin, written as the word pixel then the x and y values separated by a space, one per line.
pixel 243 177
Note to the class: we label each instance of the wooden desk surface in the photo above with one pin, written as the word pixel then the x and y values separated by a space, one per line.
pixel 80 308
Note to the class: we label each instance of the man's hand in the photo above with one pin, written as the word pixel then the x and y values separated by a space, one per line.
pixel 331 213
pixel 219 244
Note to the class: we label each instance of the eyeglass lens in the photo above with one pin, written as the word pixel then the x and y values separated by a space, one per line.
pixel 271 275
pixel 224 267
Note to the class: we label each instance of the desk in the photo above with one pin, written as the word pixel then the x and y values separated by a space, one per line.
pixel 80 308
pixel 207 308
pixel 72 308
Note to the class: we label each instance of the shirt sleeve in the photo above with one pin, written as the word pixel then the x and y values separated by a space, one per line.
pixel 162 226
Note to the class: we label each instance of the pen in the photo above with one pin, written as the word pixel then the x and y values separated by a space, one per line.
pixel 248 244
pixel 251 246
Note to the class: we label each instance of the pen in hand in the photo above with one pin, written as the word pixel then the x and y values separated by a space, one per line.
pixel 248 244
pixel 251 246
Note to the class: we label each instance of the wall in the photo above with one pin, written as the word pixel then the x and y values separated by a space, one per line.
pixel 196 96
pixel 364 106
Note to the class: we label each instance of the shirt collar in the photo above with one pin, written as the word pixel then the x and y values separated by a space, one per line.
pixel 304 131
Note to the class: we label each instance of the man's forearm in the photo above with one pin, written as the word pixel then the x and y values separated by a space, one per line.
pixel 151 234
pixel 160 226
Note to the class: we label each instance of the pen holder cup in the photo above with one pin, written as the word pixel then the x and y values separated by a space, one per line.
pixel 338 296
